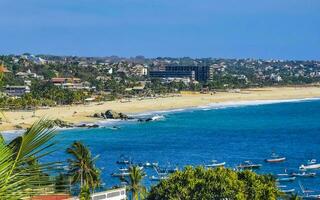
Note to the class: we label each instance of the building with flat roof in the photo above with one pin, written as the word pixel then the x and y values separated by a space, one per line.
pixel 172 74
pixel 71 83
pixel 16 91
pixel 113 194
pixel 198 73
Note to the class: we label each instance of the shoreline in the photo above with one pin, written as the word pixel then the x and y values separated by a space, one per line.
pixel 82 113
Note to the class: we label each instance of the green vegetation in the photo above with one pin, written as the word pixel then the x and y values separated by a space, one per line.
pixel 21 175
pixel 220 183
pixel 82 169
pixel 135 186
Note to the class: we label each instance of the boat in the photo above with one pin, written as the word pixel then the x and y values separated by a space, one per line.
pixel 148 164
pixel 215 163
pixel 288 191
pixel 304 174
pixel 122 169
pixel 286 179
pixel 172 170
pixel 121 174
pixel 158 178
pixel 124 161
pixel 311 164
pixel 274 158
pixel 248 165
pixel 306 193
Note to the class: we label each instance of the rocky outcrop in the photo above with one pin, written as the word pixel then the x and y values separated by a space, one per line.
pixel 88 126
pixel 62 124
pixel 110 114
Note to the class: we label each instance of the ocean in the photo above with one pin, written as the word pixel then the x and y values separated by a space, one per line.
pixel 229 132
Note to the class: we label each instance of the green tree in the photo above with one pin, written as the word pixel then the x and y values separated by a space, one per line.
pixel 135 186
pixel 82 169
pixel 220 183
pixel 21 175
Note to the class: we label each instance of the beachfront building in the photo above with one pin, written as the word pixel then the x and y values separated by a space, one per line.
pixel 71 83
pixel 198 73
pixel 16 91
pixel 169 74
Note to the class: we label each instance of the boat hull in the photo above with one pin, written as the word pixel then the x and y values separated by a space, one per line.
pixel 275 160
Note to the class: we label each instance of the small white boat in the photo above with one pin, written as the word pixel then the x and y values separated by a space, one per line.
pixel 158 178
pixel 288 191
pixel 148 164
pixel 248 165
pixel 122 174
pixel 312 164
pixel 215 163
pixel 286 179
pixel 306 193
pixel 304 174
pixel 275 158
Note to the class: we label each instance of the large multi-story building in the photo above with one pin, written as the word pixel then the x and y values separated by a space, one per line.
pixel 198 73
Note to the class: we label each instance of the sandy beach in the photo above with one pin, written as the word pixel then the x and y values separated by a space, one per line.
pixel 82 113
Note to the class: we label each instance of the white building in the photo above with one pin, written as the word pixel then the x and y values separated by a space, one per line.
pixel 114 194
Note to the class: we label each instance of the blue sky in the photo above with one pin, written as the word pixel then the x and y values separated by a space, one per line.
pixel 284 29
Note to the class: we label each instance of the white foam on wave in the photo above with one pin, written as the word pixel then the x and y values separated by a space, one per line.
pixel 232 104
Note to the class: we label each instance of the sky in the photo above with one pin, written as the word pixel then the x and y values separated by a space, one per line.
pixel 267 29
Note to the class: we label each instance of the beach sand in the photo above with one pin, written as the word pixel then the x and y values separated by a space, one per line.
pixel 82 113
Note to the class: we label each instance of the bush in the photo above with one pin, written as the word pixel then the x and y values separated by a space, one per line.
pixel 220 183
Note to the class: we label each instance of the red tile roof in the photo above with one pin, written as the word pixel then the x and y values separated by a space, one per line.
pixel 3 69
pixel 52 197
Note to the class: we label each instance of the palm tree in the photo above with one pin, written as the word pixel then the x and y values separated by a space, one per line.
pixel 293 197
pixel 138 191
pixel 82 167
pixel 19 171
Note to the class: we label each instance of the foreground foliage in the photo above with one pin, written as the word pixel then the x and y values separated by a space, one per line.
pixel 220 183
pixel 21 175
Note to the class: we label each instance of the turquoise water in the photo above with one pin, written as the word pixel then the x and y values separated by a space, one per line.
pixel 195 137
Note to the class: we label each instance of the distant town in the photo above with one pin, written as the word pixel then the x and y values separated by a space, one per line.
pixel 44 80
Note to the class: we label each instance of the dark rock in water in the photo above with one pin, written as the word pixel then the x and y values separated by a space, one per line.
pixel 88 126
pixel 148 119
pixel 145 120
pixel 93 126
pixel 82 125
pixel 123 116
pixel 109 114
pixel 62 124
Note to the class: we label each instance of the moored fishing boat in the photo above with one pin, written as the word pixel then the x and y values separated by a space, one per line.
pixel 288 191
pixel 248 165
pixel 286 179
pixel 158 178
pixel 304 174
pixel 274 158
pixel 312 164
pixel 124 160
pixel 121 174
pixel 149 164
pixel 215 163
